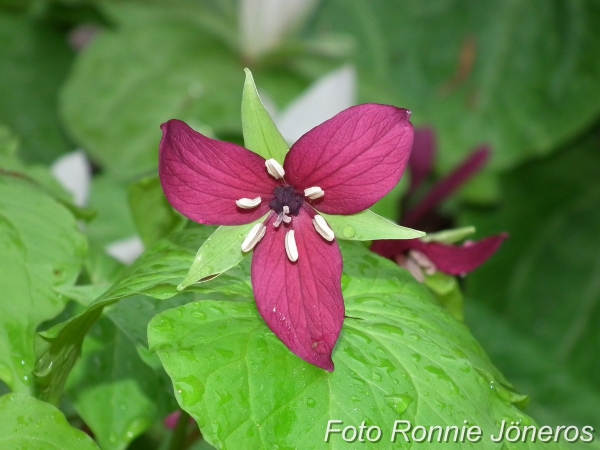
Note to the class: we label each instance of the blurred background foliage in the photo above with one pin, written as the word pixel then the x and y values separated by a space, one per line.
pixel 520 75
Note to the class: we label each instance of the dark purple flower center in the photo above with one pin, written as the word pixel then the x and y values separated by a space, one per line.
pixel 286 196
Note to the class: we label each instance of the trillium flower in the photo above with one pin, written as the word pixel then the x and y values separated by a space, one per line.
pixel 341 167
pixel 426 256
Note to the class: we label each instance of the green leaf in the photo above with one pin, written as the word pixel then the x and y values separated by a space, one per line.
pixel 153 216
pixel 544 280
pixel 499 74
pixel 9 143
pixel 27 423
pixel 42 248
pixel 260 133
pixel 368 226
pixel 35 59
pixel 114 391
pixel 399 355
pixel 11 164
pixel 220 252
pixel 156 273
pixel 558 397
pixel 178 70
pixel 113 221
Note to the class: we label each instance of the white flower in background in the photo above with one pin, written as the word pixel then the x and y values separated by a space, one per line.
pixel 326 97
pixel 264 24
pixel 74 173
pixel 126 250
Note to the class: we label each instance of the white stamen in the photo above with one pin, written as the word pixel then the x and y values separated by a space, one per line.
pixel 314 192
pixel 254 236
pixel 286 209
pixel 290 246
pixel 274 169
pixel 322 228
pixel 413 267
pixel 286 219
pixel 423 261
pixel 248 203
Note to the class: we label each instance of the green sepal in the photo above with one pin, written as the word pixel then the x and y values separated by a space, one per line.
pixel 450 236
pixel 260 133
pixel 368 226
pixel 220 252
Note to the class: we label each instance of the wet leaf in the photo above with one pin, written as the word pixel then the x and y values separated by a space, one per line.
pixel 27 423
pixel 157 274
pixel 42 248
pixel 557 395
pixel 114 391
pixel 399 355
pixel 545 280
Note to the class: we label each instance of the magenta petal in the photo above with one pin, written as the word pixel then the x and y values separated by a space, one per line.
pixel 172 419
pixel 450 259
pixel 202 178
pixel 356 157
pixel 301 302
pixel 421 157
pixel 390 248
pixel 459 260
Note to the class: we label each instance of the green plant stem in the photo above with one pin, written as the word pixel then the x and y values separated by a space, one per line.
pixel 178 439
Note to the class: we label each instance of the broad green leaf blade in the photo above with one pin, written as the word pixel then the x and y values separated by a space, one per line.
pixel 113 221
pixel 450 236
pixel 558 396
pixel 220 252
pixel 42 248
pixel 178 70
pixel 115 392
pixel 156 273
pixel 30 424
pixel 368 226
pixel 260 133
pixel 399 356
pixel 153 216
pixel 35 60
pixel 499 76
pixel 11 164
pixel 545 281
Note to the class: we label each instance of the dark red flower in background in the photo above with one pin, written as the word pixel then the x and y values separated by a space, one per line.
pixel 422 256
